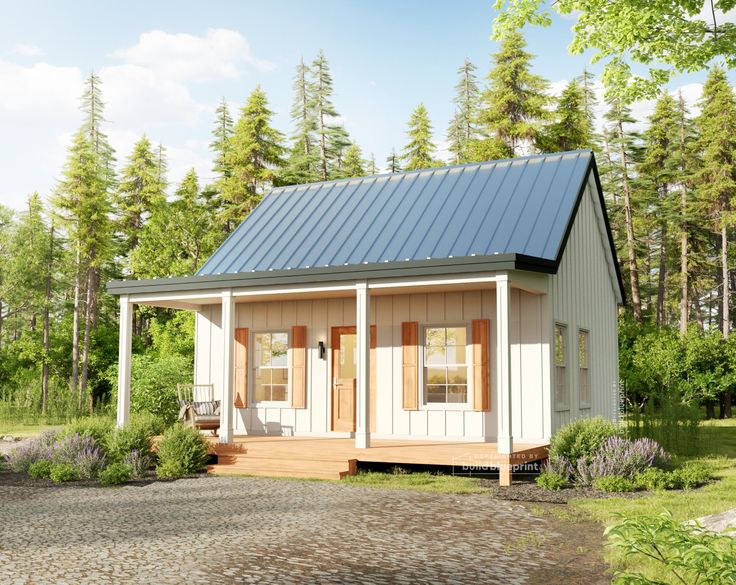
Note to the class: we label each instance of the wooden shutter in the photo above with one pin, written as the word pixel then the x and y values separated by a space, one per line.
pixel 481 364
pixel 410 364
pixel 241 367
pixel 299 366
pixel 374 381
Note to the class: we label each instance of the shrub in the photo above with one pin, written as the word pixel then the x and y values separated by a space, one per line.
pixel 134 436
pixel 613 483
pixel 581 438
pixel 62 472
pixel 22 457
pixel 97 427
pixel 40 469
pixel 656 479
pixel 182 451
pixel 621 457
pixel 692 474
pixel 682 553
pixel 138 463
pixel 551 480
pixel 80 451
pixel 115 474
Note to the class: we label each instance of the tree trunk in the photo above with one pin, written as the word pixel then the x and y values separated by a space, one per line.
pixel 1 323
pixel 661 281
pixel 46 329
pixel 628 216
pixel 75 323
pixel 725 404
pixel 725 318
pixel 710 410
pixel 91 288
pixel 684 303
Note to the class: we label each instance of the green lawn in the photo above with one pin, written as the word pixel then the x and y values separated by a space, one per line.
pixel 423 482
pixel 23 430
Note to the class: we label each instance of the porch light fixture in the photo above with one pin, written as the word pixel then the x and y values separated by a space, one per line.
pixel 321 347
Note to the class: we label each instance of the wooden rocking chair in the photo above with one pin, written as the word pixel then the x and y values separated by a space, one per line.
pixel 197 406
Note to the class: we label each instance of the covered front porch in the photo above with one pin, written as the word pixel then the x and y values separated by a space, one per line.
pixel 372 309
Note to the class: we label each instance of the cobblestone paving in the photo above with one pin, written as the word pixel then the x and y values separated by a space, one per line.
pixel 248 530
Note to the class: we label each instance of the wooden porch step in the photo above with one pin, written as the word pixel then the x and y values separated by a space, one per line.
pixel 283 467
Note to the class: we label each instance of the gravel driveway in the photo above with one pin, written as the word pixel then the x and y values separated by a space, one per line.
pixel 248 530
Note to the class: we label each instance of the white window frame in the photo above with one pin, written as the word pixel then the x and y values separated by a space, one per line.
pixel 467 405
pixel 561 407
pixel 251 373
pixel 584 405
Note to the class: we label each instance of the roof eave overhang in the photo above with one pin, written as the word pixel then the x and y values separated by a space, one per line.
pixel 412 268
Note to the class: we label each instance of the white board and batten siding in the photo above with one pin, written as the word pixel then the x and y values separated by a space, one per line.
pixel 529 353
pixel 584 296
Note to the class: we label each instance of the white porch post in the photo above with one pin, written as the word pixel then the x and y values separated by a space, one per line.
pixel 124 354
pixel 503 364
pixel 363 303
pixel 228 367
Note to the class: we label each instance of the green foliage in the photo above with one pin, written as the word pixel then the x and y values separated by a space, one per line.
pixel 683 552
pixel 656 479
pixel 463 126
pixel 63 472
pixel 173 336
pixel 581 438
pixel 572 128
pixel 613 483
pixel 115 474
pixel 418 153
pixel 41 469
pixel 153 384
pixel 551 480
pixel 692 474
pixel 353 164
pixel 97 427
pixel 181 451
pixel 134 436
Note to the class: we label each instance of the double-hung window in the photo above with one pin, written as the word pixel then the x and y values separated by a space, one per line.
pixel 583 364
pixel 445 365
pixel 271 366
pixel 562 401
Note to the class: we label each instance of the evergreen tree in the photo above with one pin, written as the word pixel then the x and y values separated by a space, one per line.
pixel 394 162
pixel 302 165
pixel 513 105
pixel 462 130
pixel 660 168
pixel 331 137
pixel 256 152
pixel 222 134
pixel 372 167
pixel 717 175
pixel 572 128
pixel 587 82
pixel 418 152
pixel 141 190
pixel 94 108
pixel 337 151
pixel 353 165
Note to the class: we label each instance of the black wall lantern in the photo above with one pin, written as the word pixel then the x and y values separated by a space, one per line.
pixel 322 350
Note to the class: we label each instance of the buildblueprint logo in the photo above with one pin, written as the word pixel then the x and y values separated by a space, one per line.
pixel 481 465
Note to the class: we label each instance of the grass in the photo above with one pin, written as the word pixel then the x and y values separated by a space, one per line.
pixel 421 481
pixel 719 440
pixel 19 429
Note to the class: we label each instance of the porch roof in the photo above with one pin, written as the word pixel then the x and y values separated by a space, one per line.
pixel 513 214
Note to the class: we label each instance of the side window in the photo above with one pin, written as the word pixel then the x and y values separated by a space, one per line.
pixel 562 401
pixel 583 367
pixel 270 366
pixel 445 365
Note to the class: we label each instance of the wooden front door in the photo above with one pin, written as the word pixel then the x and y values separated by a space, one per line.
pixel 344 374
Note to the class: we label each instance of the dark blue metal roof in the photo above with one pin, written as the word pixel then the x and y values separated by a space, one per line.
pixel 519 206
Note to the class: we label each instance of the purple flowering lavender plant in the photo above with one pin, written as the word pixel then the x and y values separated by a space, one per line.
pixel 138 462
pixel 81 451
pixel 25 455
pixel 622 458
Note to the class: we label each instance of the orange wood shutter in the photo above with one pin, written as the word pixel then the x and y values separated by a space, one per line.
pixel 481 365
pixel 241 367
pixel 374 381
pixel 410 364
pixel 299 366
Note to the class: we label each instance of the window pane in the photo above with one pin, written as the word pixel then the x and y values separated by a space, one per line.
pixel 584 391
pixel 280 376
pixel 279 345
pixel 262 380
pixel 456 336
pixel 278 393
pixel 583 349
pixel 436 354
pixel 348 355
pixel 560 350
pixel 436 394
pixel 457 375
pixel 436 376
pixel 456 354
pixel 434 336
pixel 457 394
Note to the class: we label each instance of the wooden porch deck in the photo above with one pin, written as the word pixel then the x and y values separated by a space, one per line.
pixel 335 458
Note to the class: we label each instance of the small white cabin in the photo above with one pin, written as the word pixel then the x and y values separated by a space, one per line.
pixel 468 304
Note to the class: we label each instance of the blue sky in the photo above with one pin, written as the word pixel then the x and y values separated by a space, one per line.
pixel 165 64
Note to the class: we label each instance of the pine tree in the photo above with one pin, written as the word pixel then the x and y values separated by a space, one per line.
pixel 717 175
pixel 302 165
pixel 418 152
pixel 337 149
pixel 394 162
pixel 513 105
pixel 572 128
pixel 462 130
pixel 660 168
pixel 256 152
pixel 94 108
pixel 587 85
pixel 141 190
pixel 372 167
pixel 353 165
pixel 220 145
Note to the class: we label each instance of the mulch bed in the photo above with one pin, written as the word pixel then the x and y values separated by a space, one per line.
pixel 529 491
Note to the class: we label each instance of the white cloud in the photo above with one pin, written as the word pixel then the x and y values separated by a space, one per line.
pixel 219 54
pixel 26 50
